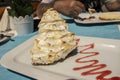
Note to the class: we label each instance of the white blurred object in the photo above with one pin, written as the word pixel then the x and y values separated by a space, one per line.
pixel 20 25
pixel 23 25
pixel 5 22
pixel 119 27
pixel 47 1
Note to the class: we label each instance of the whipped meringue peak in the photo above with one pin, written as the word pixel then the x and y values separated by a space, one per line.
pixel 53 42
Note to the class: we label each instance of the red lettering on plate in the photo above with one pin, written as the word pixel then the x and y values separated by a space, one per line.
pixel 94 64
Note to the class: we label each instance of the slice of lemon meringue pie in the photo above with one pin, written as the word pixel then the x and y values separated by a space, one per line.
pixel 53 42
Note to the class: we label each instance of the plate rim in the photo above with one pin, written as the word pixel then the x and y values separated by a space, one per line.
pixel 95 22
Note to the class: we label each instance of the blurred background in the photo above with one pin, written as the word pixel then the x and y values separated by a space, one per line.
pixel 3 5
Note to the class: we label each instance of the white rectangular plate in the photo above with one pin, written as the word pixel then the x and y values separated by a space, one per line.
pixel 97 55
pixel 93 21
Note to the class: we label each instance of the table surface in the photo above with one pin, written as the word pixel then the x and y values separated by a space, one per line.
pixel 109 31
